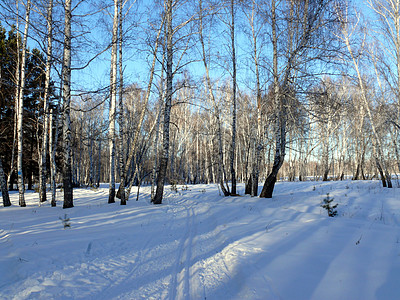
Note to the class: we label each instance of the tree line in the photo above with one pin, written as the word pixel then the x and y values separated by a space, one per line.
pixel 229 91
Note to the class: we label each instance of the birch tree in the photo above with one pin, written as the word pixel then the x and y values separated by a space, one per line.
pixel 175 36
pixel 387 63
pixel 113 102
pixel 168 103
pixel 3 185
pixel 21 187
pixel 220 160
pixel 131 154
pixel 234 87
pixel 280 135
pixel 301 36
pixel 45 140
pixel 256 35
pixel 121 89
pixel 347 32
pixel 53 139
pixel 66 79
pixel 17 91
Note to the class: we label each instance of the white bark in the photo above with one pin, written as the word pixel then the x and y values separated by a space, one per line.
pixel 233 144
pixel 21 187
pixel 16 97
pixel 258 142
pixel 99 164
pixel 113 102
pixel 45 139
pixel 379 157
pixel 53 147
pixel 155 163
pixel 120 103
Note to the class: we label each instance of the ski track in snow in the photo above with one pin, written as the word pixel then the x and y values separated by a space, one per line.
pixel 200 245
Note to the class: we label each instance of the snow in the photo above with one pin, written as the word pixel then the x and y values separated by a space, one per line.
pixel 200 245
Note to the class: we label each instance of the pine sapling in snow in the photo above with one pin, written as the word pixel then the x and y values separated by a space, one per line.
pixel 327 204
pixel 174 188
pixel 65 221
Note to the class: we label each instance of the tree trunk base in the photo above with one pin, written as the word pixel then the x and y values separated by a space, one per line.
pixel 254 189
pixel 249 184
pixel 389 183
pixel 111 196
pixel 268 187
pixel 118 195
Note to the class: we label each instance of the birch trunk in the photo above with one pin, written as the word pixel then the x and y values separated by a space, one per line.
pixel 158 122
pixel 45 140
pixel 10 182
pixel 167 108
pixel 99 165
pixel 21 187
pixel 300 32
pixel 120 98
pixel 91 162
pixel 154 171
pixel 132 181
pixel 4 189
pixel 253 181
pixel 141 118
pixel 280 135
pixel 233 145
pixel 53 147
pixel 113 101
pixel 66 74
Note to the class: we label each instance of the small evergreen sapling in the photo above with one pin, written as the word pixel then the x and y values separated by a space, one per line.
pixel 66 221
pixel 174 188
pixel 332 212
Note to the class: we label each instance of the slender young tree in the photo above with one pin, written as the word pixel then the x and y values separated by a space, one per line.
pixel 345 35
pixel 131 154
pixel 233 144
pixel 174 38
pixel 45 139
pixel 21 187
pixel 387 35
pixel 113 102
pixel 220 160
pixel 120 95
pixel 258 142
pixel 157 134
pixel 17 91
pixel 53 146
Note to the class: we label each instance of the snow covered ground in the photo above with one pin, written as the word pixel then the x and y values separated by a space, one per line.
pixel 200 245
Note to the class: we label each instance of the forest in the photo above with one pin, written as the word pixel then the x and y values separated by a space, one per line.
pixel 160 92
